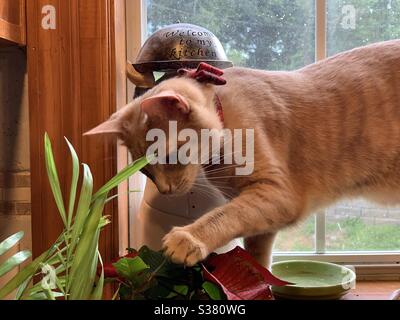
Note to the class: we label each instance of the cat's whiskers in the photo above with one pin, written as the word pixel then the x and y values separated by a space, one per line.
pixel 202 160
pixel 210 160
pixel 206 190
pixel 203 189
pixel 224 168
pixel 221 177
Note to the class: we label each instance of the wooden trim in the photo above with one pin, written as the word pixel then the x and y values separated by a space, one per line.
pixel 72 88
pixel 22 18
pixel 14 33
pixel 121 99
pixel 373 290
pixel 136 28
pixel 320 32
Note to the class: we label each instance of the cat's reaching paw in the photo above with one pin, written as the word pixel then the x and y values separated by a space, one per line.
pixel 181 247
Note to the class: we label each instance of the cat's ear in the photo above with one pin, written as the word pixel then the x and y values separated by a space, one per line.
pixel 166 104
pixel 111 126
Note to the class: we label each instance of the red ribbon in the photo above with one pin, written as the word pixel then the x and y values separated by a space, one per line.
pixel 205 73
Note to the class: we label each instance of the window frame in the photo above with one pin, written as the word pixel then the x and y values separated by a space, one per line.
pixel 377 265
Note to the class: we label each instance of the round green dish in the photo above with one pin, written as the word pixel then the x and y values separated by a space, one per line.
pixel 312 280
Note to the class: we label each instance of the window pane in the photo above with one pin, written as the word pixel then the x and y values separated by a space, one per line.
pixel 297 238
pixel 274 35
pixel 359 22
pixel 362 226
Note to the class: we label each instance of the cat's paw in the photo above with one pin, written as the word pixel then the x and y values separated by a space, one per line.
pixel 183 248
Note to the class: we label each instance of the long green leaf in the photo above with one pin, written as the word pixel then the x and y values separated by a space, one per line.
pixel 74 182
pixel 14 261
pixel 122 175
pixel 22 276
pixel 53 178
pixel 38 286
pixel 83 281
pixel 28 272
pixel 43 296
pixel 82 209
pixel 10 242
pixel 98 290
pixel 52 259
pixel 22 288
pixel 83 271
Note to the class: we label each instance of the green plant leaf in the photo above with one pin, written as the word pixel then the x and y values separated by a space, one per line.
pixel 98 290
pixel 213 291
pixel 43 296
pixel 21 289
pixel 157 263
pixel 83 207
pixel 37 288
pixel 74 182
pixel 83 269
pixel 153 258
pixel 129 268
pixel 53 178
pixel 14 261
pixel 8 243
pixel 180 289
pixel 23 275
pixel 122 175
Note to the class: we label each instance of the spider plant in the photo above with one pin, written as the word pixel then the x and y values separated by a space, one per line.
pixel 69 266
pixel 17 258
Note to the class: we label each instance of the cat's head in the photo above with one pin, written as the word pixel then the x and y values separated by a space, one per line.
pixel 184 101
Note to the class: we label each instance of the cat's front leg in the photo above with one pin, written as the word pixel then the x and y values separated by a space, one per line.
pixel 263 209
pixel 260 247
pixel 183 247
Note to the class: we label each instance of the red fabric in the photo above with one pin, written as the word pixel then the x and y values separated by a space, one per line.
pixel 218 107
pixel 205 73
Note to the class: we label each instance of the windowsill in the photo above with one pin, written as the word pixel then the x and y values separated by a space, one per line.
pixel 373 290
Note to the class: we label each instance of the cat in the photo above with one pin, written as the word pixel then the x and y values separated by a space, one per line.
pixel 324 132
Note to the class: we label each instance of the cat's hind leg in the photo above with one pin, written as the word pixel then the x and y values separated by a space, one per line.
pixel 260 247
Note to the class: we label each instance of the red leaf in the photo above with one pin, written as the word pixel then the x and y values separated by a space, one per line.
pixel 240 276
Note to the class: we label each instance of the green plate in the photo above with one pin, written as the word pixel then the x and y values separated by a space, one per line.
pixel 312 279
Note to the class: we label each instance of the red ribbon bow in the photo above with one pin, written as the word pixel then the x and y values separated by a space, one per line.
pixel 205 73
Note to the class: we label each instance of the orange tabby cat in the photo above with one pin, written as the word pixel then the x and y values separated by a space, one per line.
pixel 327 131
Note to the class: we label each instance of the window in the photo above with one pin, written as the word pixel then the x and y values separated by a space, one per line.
pixel 285 35
pixel 272 35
